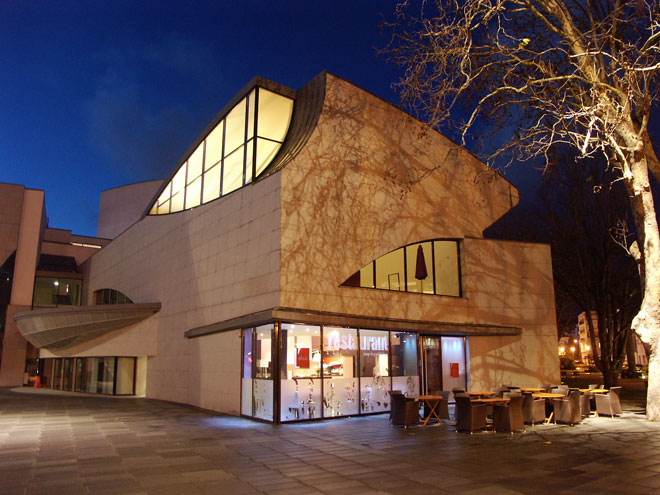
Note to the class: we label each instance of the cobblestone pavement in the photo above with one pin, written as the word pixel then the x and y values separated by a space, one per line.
pixel 72 445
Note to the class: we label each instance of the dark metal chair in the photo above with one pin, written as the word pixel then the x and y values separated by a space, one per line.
pixel 609 404
pixel 404 412
pixel 470 417
pixel 509 417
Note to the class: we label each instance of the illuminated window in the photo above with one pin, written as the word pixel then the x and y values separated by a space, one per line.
pixel 230 156
pixel 429 267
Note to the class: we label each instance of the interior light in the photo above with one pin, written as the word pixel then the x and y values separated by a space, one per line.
pixel 56 283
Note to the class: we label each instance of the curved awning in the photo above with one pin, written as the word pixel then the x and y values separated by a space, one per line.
pixel 57 328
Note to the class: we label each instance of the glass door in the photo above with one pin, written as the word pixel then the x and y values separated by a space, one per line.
pixel 443 364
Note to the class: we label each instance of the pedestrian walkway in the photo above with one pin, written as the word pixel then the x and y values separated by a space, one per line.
pixel 56 444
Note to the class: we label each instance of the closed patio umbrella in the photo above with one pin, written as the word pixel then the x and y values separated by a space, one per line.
pixel 420 270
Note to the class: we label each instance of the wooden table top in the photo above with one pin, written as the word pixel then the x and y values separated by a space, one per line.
pixel 532 389
pixel 481 393
pixel 426 397
pixel 492 399
pixel 594 390
pixel 547 395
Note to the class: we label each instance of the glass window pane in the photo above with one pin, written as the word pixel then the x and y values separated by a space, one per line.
pixel 164 208
pixel 177 202
pixel 251 101
pixel 68 292
pixel 125 375
pixel 105 375
pixel 214 146
pixel 45 291
pixel 179 180
pixel 420 264
pixel 367 276
pixel 405 372
pixel 193 192
pixel 446 268
pixel 165 195
pixel 211 184
pixel 154 210
pixel 232 177
pixel 389 271
pixel 235 130
pixel 248 161
pixel 274 115
pixel 263 376
pixel 246 380
pixel 266 151
pixel 453 362
pixel 195 163
pixel 300 373
pixel 67 374
pixel 374 371
pixel 340 377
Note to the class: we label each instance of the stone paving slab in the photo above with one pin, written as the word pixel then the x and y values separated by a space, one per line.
pixel 70 444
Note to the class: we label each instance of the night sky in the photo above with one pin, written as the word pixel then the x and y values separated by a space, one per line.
pixel 97 95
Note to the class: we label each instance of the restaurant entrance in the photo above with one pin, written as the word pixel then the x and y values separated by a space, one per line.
pixel 443 363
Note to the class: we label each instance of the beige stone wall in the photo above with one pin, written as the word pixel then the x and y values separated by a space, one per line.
pixel 205 265
pixel 121 207
pixel 372 179
pixel 510 283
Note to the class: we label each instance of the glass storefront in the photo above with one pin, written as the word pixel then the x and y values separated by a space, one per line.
pixel 92 375
pixel 329 371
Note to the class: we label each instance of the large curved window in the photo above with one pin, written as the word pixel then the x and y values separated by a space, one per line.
pixel 232 155
pixel 429 267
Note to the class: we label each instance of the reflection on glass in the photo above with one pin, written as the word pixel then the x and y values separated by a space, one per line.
pixel 300 385
pixel 405 373
pixel 52 292
pixel 340 382
pixel 125 376
pixel 374 371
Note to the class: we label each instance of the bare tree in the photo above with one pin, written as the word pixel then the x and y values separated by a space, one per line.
pixel 576 72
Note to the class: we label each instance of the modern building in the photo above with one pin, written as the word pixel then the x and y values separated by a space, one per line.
pixel 313 250
pixel 585 350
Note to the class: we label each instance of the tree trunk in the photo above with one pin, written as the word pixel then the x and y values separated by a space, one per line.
pixel 610 377
pixel 647 321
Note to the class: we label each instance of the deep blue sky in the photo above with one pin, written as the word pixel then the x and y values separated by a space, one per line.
pixel 101 94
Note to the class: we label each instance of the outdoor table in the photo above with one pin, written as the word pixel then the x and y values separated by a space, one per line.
pixel 594 390
pixel 532 389
pixel 492 400
pixel 432 401
pixel 479 394
pixel 546 396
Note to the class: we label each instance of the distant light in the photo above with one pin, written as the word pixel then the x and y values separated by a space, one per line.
pixel 56 283
pixel 572 349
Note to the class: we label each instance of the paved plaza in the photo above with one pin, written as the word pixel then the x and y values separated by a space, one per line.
pixel 64 444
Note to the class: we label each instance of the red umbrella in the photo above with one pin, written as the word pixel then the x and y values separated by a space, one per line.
pixel 420 270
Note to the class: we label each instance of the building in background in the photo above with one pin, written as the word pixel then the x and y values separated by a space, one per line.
pixel 312 251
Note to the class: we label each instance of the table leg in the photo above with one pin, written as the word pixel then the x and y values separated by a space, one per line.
pixel 432 405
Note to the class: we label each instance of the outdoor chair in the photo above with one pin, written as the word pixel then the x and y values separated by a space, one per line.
pixel 393 392
pixel 496 390
pixel 509 417
pixel 559 391
pixel 458 390
pixel 546 386
pixel 593 386
pixel 442 409
pixel 609 404
pixel 567 410
pixel 533 409
pixel 404 412
pixel 585 404
pixel 470 417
